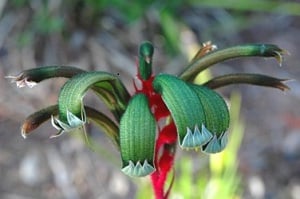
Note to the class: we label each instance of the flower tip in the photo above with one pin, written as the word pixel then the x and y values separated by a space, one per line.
pixel 216 144
pixel 209 46
pixel 23 134
pixel 279 55
pixel 285 52
pixel 279 58
pixel 21 81
pixel 194 140
pixel 206 48
pixel 27 127
pixel 283 86
pixel 148 59
pixel 74 121
pixel 138 169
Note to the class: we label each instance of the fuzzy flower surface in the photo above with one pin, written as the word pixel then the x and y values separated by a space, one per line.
pixel 164 111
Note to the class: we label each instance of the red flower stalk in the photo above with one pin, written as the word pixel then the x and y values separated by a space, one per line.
pixel 165 142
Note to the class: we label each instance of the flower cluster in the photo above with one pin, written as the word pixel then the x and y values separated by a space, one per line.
pixel 164 109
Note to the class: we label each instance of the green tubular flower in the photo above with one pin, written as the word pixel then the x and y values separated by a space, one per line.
pixel 33 76
pixel 113 93
pixel 137 137
pixel 244 78
pixel 145 60
pixel 201 115
pixel 202 63
pixel 186 110
pixel 34 120
pixel 217 118
pixel 71 111
pixel 194 115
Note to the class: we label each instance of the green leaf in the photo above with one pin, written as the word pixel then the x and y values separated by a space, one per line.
pixel 137 137
pixel 186 110
pixel 145 60
pixel 171 28
pixel 278 7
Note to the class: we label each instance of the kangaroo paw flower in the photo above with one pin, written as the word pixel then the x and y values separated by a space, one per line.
pixel 137 137
pixel 165 109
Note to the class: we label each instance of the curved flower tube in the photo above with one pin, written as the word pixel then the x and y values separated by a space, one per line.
pixel 250 50
pixel 164 110
pixel 179 98
pixel 36 119
pixel 137 137
pixel 71 112
pixel 113 93
pixel 33 76
pixel 244 78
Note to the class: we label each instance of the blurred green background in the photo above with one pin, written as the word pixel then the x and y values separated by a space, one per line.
pixel 262 160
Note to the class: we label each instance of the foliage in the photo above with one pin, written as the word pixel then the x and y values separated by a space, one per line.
pixel 46 19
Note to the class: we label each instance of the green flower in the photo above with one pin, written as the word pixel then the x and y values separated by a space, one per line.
pixel 163 110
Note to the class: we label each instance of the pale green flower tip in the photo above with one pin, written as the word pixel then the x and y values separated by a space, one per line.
pixel 138 169
pixel 194 140
pixel 74 121
pixel 23 134
pixel 63 127
pixel 216 144
pixel 57 124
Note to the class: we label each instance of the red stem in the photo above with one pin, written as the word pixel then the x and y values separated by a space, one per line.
pixel 165 143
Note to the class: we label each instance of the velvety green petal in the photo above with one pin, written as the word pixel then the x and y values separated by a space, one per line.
pixel 215 109
pixel 217 118
pixel 137 137
pixel 71 95
pixel 186 110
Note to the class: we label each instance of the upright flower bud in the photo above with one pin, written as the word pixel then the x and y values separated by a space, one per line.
pixel 145 60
